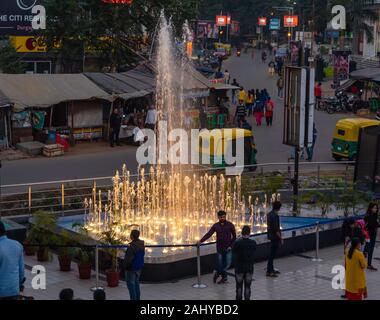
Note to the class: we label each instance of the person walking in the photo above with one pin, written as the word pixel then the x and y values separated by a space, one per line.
pixel 371 225
pixel 310 150
pixel 258 111
pixel 355 280
pixel 234 91
pixel 115 124
pixel 275 237
pixel 249 102
pixel 271 66
pixel 151 118
pixel 11 267
pixel 226 76
pixel 280 87
pixel 240 113
pixel 133 264
pixel 264 56
pixel 242 94
pixel 225 238
pixel 269 112
pixel 243 253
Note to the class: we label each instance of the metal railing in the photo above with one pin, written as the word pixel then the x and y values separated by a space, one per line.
pixel 67 196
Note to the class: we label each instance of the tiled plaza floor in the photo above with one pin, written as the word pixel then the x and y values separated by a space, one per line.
pixel 300 279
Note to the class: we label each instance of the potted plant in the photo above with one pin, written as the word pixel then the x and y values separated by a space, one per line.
pixel 84 257
pixel 112 274
pixel 65 253
pixel 28 249
pixel 41 233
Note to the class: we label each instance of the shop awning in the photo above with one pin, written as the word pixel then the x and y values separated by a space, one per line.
pixel 4 101
pixel 45 90
pixel 346 85
pixel 365 74
pixel 223 86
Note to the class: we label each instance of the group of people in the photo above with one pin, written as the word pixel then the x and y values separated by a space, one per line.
pixel 359 238
pixel 241 252
pixel 254 102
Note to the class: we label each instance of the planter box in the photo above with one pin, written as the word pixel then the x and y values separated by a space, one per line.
pixel 53 150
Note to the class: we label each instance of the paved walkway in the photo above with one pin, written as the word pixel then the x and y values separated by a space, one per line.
pixel 301 279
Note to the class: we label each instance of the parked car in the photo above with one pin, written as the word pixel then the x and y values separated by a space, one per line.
pixel 221 52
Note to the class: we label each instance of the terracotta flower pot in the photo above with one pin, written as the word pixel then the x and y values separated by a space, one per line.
pixel 29 250
pixel 112 278
pixel 64 263
pixel 84 270
pixel 42 254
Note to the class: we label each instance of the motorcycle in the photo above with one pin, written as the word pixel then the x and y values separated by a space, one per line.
pixel 238 53
pixel 337 103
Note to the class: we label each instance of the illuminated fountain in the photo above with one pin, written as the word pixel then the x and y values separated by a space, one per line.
pixel 167 205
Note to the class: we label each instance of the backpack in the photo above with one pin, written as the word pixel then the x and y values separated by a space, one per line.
pixel 138 260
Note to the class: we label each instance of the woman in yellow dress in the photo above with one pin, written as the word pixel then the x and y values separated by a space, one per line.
pixel 356 264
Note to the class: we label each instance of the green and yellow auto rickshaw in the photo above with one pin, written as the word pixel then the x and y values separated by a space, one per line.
pixel 213 147
pixel 346 137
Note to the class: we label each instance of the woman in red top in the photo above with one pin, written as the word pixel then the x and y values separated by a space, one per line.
pixel 269 112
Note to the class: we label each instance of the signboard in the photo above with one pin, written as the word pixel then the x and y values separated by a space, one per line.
pixel 274 24
pixel 341 66
pixel 16 16
pixel 299 106
pixel 262 21
pixel 28 44
pixel 221 21
pixel 303 36
pixel 235 28
pixel 228 19
pixel 290 21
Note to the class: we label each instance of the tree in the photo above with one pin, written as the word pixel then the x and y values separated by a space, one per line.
pixel 9 61
pixel 318 199
pixel 352 200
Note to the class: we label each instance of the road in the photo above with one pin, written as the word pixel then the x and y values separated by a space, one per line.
pixel 249 73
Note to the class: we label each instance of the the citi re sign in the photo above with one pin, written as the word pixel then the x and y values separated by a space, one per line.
pixel 21 17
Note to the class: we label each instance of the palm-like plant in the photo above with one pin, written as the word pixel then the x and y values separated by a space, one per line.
pixel 110 238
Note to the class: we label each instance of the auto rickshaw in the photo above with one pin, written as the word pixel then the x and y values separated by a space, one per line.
pixel 346 137
pixel 213 144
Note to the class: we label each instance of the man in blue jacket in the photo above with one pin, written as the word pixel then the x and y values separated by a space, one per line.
pixel 11 266
pixel 133 264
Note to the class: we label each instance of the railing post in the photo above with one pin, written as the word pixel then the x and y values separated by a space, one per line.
pixel 30 200
pixel 318 175
pixel 63 199
pixel 199 284
pixel 316 258
pixel 97 270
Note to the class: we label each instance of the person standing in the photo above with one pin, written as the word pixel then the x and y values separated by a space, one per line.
pixel 225 238
pixel 11 266
pixel 371 225
pixel 318 93
pixel 269 112
pixel 133 264
pixel 275 237
pixel 243 253
pixel 280 87
pixel 356 287
pixel 271 68
pixel 115 124
pixel 151 118
pixel 310 150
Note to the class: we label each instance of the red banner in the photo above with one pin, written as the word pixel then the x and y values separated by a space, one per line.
pixel 290 21
pixel 262 21
pixel 228 19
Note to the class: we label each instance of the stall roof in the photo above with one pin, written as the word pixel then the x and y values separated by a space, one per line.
pixel 4 101
pixel 44 90
pixel 223 86
pixel 365 74
pixel 135 83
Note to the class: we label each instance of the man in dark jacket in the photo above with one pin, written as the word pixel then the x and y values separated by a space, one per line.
pixel 133 263
pixel 225 238
pixel 275 237
pixel 243 252
pixel 115 124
